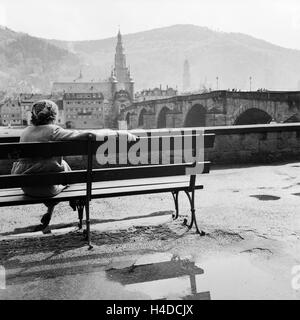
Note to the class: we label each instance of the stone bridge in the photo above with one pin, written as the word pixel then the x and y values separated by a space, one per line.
pixel 217 108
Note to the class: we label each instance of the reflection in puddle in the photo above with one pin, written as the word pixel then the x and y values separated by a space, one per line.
pixel 167 278
pixel 265 197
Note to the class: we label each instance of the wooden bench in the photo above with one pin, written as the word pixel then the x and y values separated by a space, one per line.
pixel 96 182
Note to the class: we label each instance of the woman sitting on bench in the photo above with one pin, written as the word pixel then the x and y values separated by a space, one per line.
pixel 44 129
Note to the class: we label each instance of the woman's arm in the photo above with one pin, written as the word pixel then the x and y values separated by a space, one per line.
pixel 109 132
pixel 60 134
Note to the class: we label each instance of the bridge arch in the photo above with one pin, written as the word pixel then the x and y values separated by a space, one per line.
pixel 162 117
pixel 141 117
pixel 195 117
pixel 253 116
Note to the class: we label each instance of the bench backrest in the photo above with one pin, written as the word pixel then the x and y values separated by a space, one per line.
pixel 116 171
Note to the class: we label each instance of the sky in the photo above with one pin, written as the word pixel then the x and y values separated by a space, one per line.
pixel 276 21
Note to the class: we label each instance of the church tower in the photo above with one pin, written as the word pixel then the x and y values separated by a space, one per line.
pixel 122 84
pixel 186 85
pixel 121 71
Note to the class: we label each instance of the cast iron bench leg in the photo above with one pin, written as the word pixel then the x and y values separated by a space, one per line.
pixel 80 208
pixel 175 197
pixel 191 198
pixel 88 224
pixel 81 205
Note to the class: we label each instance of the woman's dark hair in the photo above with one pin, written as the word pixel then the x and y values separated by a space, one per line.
pixel 43 112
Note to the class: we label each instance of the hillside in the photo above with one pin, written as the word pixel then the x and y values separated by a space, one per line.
pixel 156 57
pixel 28 63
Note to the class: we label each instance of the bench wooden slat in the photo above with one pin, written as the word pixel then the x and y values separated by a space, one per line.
pixel 23 180
pixel 140 172
pixel 106 185
pixel 208 139
pixel 98 193
pixel 45 150
pixel 71 148
pixel 80 176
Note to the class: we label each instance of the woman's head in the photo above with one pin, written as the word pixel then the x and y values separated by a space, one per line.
pixel 44 112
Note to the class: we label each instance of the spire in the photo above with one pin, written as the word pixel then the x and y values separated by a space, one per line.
pixel 119 36
pixel 119 48
pixel 121 70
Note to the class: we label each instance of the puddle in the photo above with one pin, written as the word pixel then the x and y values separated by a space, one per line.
pixel 154 277
pixel 265 197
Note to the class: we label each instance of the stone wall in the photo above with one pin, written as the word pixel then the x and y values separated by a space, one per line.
pixel 256 144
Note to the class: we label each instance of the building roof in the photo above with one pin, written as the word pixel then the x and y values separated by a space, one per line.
pixel 82 87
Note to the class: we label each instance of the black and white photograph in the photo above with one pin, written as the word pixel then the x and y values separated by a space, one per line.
pixel 149 151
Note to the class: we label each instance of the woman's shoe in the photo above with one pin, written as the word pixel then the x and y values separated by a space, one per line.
pixel 46 219
pixel 46 230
